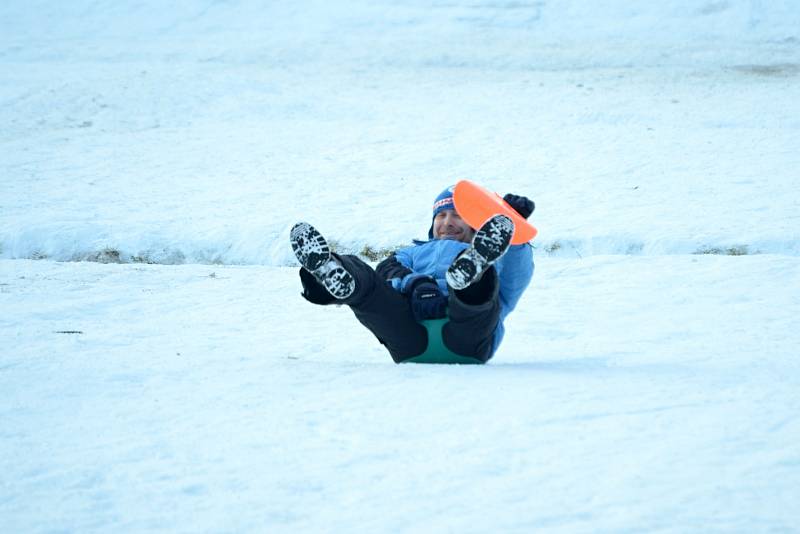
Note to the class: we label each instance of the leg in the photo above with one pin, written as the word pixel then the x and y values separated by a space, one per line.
pixel 474 305
pixel 382 310
pixel 474 314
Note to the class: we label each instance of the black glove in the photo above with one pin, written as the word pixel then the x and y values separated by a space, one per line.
pixel 522 205
pixel 427 301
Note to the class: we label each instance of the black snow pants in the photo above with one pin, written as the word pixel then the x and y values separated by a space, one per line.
pixel 473 312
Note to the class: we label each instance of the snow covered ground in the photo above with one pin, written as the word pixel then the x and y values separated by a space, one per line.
pixel 648 381
pixel 664 399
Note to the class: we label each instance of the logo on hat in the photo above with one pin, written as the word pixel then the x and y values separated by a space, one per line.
pixel 442 203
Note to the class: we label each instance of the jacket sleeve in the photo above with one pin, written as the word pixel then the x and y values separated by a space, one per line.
pixel 392 268
pixel 398 270
pixel 515 270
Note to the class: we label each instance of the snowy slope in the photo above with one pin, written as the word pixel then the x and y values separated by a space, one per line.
pixel 664 400
pixel 648 380
pixel 201 133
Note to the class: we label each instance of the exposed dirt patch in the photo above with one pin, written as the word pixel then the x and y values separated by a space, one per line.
pixel 780 70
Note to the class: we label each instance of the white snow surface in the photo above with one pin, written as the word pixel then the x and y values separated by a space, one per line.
pixel 648 380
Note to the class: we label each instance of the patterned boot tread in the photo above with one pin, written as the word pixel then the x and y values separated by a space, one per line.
pixel 314 254
pixel 490 242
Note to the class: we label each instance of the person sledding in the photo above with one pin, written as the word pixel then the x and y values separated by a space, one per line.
pixel 443 300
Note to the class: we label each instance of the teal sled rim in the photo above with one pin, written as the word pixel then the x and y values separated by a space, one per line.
pixel 437 352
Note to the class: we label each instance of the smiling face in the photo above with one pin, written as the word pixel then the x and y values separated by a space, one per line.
pixel 447 224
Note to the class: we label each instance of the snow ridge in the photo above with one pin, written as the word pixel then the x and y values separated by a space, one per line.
pixel 278 253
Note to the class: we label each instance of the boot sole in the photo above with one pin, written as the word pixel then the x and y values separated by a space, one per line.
pixel 489 244
pixel 314 255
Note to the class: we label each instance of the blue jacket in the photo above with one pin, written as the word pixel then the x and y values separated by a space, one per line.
pixel 432 258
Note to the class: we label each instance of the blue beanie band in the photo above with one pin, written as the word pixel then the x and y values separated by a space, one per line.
pixel 443 202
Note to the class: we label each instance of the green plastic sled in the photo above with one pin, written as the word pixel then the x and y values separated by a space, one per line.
pixel 437 352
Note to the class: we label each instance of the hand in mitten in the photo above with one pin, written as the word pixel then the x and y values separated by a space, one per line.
pixel 427 300
pixel 522 205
